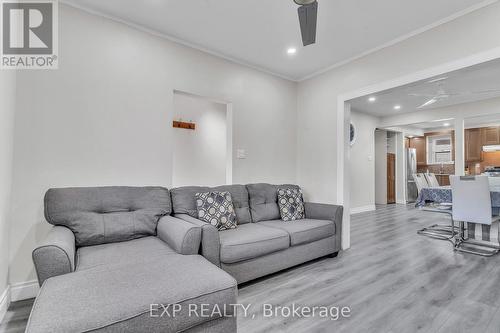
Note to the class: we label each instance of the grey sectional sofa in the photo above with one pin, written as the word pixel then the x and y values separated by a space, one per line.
pixel 262 243
pixel 113 254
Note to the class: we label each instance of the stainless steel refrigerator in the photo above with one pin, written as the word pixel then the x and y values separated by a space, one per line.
pixel 411 169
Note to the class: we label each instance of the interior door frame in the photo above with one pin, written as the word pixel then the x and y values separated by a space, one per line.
pixel 229 128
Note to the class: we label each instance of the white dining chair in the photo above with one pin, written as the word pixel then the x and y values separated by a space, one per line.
pixel 420 181
pixel 472 204
pixel 438 231
pixel 432 180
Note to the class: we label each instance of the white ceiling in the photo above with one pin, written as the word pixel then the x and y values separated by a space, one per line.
pixel 430 126
pixel 258 32
pixel 468 82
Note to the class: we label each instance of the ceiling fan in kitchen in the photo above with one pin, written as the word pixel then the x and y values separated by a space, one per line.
pixel 442 94
pixel 308 17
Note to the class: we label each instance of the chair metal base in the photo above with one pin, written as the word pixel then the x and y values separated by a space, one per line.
pixel 466 245
pixel 440 231
pixel 472 247
pixel 456 235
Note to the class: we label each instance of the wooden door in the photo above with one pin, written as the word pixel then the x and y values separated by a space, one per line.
pixel 491 136
pixel 419 143
pixel 473 146
pixel 391 178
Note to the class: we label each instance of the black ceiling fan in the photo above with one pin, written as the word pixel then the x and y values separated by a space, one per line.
pixel 308 17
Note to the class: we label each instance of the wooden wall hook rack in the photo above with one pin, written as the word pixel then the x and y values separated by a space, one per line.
pixel 184 125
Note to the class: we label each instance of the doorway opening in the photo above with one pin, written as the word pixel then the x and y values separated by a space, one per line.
pixel 395 115
pixel 202 141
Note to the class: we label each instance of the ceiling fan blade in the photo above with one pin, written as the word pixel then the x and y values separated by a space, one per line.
pixel 308 16
pixel 429 102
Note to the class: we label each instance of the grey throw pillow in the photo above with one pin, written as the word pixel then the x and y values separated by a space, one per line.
pixel 291 204
pixel 217 209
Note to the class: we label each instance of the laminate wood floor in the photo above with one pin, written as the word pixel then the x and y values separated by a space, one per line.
pixel 392 280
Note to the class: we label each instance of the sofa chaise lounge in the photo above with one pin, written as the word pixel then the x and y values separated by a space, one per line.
pixel 262 243
pixel 115 256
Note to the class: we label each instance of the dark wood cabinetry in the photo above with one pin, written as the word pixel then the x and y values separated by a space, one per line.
pixel 420 145
pixel 473 144
pixel 443 180
pixel 491 135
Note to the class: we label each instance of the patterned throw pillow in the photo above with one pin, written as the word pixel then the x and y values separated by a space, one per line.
pixel 217 209
pixel 291 204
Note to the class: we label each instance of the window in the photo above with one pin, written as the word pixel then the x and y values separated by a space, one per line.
pixel 439 149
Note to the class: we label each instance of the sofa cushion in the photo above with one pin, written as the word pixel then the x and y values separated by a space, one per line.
pixel 217 209
pixel 127 298
pixel 303 231
pixel 249 241
pixel 264 201
pixel 132 251
pixel 183 201
pixel 291 204
pixel 99 215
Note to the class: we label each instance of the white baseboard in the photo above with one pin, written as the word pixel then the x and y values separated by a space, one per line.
pixel 4 302
pixel 24 290
pixel 362 209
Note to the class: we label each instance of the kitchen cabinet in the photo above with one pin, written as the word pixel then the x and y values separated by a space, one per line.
pixel 473 145
pixel 491 135
pixel 420 145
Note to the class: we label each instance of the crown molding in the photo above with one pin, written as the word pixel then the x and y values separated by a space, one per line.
pixel 176 40
pixel 401 38
pixel 4 302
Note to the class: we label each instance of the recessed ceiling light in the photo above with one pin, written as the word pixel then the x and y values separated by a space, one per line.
pixel 291 50
pixel 446 124
pixel 397 107
pixel 372 99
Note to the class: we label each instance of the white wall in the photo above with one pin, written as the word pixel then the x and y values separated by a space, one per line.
pixel 104 118
pixel 317 97
pixel 7 110
pixel 380 180
pixel 199 156
pixel 362 162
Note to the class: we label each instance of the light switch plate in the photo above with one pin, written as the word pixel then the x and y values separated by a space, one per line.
pixel 241 154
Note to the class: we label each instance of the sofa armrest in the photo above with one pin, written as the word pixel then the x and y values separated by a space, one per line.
pixel 183 237
pixel 327 212
pixel 210 242
pixel 55 255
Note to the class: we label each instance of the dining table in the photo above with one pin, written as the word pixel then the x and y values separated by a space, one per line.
pixel 443 194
